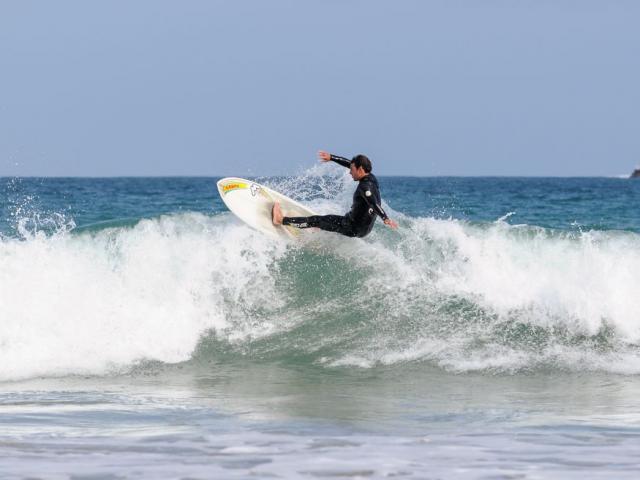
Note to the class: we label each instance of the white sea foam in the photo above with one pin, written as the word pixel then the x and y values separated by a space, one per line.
pixel 579 284
pixel 91 303
pixel 578 280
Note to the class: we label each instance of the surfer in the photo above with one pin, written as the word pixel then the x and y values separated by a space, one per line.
pixel 366 203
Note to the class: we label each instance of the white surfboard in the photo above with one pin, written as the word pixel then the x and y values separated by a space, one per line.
pixel 252 203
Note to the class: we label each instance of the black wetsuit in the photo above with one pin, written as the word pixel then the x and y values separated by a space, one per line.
pixel 360 219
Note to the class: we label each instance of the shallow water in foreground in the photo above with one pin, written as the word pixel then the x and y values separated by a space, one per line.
pixel 255 420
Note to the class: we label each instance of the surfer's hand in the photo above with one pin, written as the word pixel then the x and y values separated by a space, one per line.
pixel 391 223
pixel 324 156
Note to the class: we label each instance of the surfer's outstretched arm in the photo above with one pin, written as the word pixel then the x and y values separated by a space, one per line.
pixel 328 157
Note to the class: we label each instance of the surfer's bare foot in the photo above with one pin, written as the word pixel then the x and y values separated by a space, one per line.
pixel 276 214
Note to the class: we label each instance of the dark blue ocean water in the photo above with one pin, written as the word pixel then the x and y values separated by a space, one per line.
pixel 560 203
pixel 145 332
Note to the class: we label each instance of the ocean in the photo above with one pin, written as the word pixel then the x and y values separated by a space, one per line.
pixel 145 332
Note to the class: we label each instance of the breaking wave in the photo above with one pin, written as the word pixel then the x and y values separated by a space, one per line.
pixel 456 295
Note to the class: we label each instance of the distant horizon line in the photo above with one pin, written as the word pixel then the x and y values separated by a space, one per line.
pixel 619 176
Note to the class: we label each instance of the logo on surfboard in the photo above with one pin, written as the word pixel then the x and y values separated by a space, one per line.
pixel 234 186
pixel 255 188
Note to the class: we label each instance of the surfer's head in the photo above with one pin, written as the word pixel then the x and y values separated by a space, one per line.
pixel 362 161
pixel 360 167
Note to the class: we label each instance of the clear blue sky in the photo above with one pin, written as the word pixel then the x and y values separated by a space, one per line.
pixel 256 87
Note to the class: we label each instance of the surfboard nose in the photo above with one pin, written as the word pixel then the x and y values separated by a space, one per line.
pixel 253 204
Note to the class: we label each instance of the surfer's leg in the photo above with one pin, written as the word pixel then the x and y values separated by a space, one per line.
pixel 301 222
pixel 276 214
pixel 330 223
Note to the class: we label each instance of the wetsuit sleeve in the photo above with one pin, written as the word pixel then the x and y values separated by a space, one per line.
pixel 370 199
pixel 341 161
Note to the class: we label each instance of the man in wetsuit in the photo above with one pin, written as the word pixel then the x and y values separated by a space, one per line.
pixel 366 203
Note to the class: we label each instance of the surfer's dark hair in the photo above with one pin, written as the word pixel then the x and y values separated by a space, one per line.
pixel 362 161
